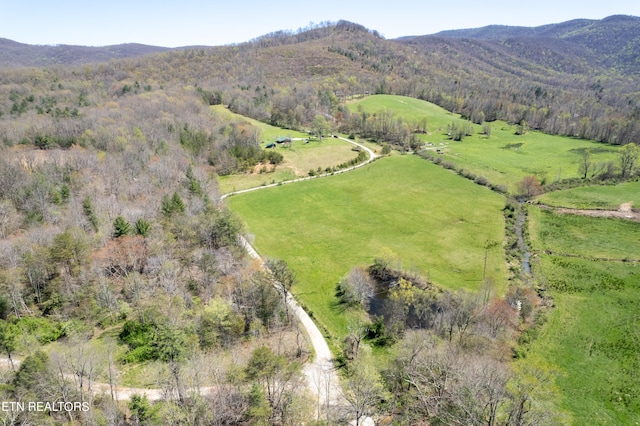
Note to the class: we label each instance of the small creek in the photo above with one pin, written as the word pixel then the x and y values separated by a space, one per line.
pixel 522 246
pixel 379 306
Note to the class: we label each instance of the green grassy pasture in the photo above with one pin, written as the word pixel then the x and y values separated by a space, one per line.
pixel 592 335
pixel 587 236
pixel 435 221
pixel 299 156
pixel 595 197
pixel 411 109
pixel 269 133
pixel 504 157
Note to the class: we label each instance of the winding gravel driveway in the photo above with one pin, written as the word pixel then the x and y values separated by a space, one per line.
pixel 372 156
pixel 321 376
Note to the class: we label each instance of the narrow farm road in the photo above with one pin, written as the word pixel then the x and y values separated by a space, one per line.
pixel 372 156
pixel 119 393
pixel 321 376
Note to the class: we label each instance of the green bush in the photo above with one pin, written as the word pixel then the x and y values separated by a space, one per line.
pixel 377 333
pixel 44 141
pixel 150 341
pixel 143 227
pixel 43 329
pixel 139 337
pixel 139 354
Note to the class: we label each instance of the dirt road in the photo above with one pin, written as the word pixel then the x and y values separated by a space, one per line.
pixel 321 376
pixel 625 211
pixel 320 373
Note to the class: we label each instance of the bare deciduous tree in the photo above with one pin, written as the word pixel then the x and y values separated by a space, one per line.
pixel 356 289
pixel 362 389
pixel 357 330
pixel 628 159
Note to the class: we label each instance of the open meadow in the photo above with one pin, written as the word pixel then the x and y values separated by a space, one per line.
pixel 504 157
pixel 438 224
pixel 419 211
pixel 410 109
pixel 591 336
pixel 300 155
pixel 608 197
pixel 586 236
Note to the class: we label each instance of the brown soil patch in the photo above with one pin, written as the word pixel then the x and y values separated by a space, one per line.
pixel 626 207
pixel 263 168
pixel 625 211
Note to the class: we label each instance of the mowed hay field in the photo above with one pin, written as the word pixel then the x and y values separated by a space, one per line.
pixel 300 156
pixel 503 157
pixel 269 133
pixel 609 197
pixel 592 336
pixel 436 222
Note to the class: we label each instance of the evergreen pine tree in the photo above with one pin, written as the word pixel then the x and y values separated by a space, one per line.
pixel 178 204
pixel 87 206
pixel 142 227
pixel 121 227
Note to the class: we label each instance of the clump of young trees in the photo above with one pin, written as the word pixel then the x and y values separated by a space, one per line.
pixel 451 350
pixel 458 130
pixel 383 127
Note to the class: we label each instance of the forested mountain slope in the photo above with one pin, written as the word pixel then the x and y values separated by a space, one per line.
pixel 576 78
pixel 612 42
pixel 108 190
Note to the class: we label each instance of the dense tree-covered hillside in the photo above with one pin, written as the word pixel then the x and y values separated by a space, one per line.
pixel 111 241
pixel 575 78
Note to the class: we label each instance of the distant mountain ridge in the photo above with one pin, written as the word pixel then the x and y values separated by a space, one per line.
pixel 14 54
pixel 612 42
pixel 560 30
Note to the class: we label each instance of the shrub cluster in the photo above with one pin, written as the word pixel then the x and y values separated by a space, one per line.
pixel 362 156
pixel 477 179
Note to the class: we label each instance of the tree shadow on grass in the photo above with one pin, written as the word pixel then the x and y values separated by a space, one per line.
pixel 338 306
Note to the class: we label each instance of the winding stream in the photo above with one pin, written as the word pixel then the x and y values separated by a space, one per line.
pixel 522 246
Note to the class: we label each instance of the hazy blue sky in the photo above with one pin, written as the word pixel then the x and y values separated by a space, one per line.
pixel 173 23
